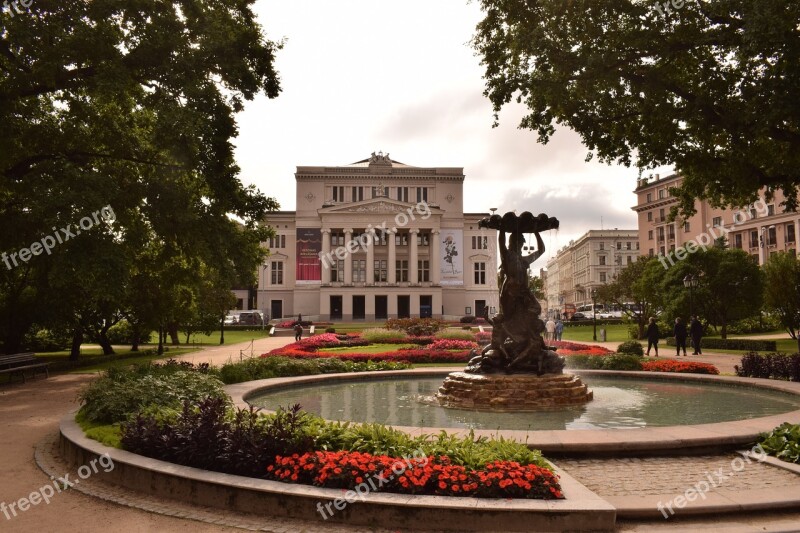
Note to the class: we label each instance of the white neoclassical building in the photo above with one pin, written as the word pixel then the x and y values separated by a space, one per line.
pixel 378 239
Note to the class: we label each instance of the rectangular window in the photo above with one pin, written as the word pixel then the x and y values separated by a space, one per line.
pixel 630 260
pixel 338 194
pixel 770 210
pixel 401 239
pixel 649 216
pixel 737 240
pixel 772 236
pixel 662 250
pixel 628 246
pixel 480 273
pixel 402 270
pixel 602 260
pixel 402 194
pixel 602 246
pixel 602 277
pixel 651 252
pixel 619 245
pixel 662 193
pixel 422 194
pixel 650 235
pixel 337 239
pixel 716 222
pixel 278 241
pixel 661 216
pixel 380 271
pixel 671 232
pixel 358 194
pixel 790 237
pixel 337 271
pixel 661 234
pixel 423 239
pixel 649 197
pixel 686 228
pixel 359 271
pixel 277 273
pixel 380 238
pixel 754 239
pixel 753 213
pixel 424 269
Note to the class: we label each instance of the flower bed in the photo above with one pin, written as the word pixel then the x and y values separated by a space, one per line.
pixel 399 356
pixel 684 367
pixel 452 344
pixel 418 475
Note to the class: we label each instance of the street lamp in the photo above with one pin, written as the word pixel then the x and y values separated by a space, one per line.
pixel 691 282
pixel 594 314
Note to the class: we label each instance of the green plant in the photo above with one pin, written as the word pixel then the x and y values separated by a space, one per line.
pixel 633 332
pixel 622 362
pixel 330 330
pixel 416 326
pixel 455 334
pixel 783 442
pixel 275 367
pixel 383 335
pixel 630 348
pixel 735 344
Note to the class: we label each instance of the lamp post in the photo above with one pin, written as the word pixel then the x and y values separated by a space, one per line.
pixel 691 282
pixel 594 314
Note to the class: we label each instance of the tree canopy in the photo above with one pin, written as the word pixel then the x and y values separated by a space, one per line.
pixel 131 106
pixel 711 87
pixel 782 291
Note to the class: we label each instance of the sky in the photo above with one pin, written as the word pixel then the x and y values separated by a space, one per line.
pixel 400 77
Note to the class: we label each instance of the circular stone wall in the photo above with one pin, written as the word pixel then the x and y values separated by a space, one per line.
pixel 512 392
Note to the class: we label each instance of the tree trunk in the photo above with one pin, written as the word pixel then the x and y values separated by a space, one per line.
pixel 724 331
pixel 160 340
pixel 105 344
pixel 173 333
pixel 77 340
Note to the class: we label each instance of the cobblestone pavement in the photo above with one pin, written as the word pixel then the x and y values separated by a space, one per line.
pixel 655 476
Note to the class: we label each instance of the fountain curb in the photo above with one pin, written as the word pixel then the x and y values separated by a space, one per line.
pixel 582 510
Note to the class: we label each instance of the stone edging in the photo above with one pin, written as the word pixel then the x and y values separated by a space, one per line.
pixel 582 510
pixel 668 440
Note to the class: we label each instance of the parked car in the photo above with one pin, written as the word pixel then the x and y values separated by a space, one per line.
pixel 577 317
pixel 231 320
pixel 250 318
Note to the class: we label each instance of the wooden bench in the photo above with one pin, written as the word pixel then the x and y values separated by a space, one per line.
pixel 19 363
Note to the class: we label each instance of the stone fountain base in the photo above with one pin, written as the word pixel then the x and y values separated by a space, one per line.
pixel 512 392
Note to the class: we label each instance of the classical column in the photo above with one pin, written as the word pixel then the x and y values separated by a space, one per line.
pixel 348 260
pixel 371 258
pixel 797 236
pixel 326 256
pixel 413 272
pixel 435 266
pixel 762 245
pixel 390 234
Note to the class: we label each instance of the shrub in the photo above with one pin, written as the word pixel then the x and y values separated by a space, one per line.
pixel 783 442
pixel 46 340
pixel 330 330
pixel 383 335
pixel 467 319
pixel 121 393
pixel 122 333
pixel 416 326
pixel 633 332
pixel 755 325
pixel 683 367
pixel 769 366
pixel 455 334
pixel 274 367
pixel 622 362
pixel 630 348
pixel 735 344
pixel 589 362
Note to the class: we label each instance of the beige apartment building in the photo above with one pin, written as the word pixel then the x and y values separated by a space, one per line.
pixel 585 264
pixel 378 239
pixel 761 229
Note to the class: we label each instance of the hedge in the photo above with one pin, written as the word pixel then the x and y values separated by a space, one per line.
pixel 770 366
pixel 733 344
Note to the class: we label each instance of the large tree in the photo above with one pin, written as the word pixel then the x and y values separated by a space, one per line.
pixel 639 284
pixel 782 291
pixel 711 87
pixel 128 104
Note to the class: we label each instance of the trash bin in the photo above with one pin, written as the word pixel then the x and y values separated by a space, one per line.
pixel 602 335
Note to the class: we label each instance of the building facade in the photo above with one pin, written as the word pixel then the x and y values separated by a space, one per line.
pixel 761 229
pixel 585 264
pixel 379 239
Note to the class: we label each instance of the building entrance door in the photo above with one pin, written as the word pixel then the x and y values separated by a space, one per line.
pixel 336 307
pixel 381 307
pixel 404 307
pixel 359 307
pixel 480 308
pixel 276 309
pixel 425 306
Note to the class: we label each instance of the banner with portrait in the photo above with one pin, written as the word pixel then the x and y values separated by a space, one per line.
pixel 309 246
pixel 451 258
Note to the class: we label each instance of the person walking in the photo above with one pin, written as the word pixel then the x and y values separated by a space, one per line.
pixel 550 327
pixel 298 332
pixel 652 335
pixel 680 336
pixel 696 331
pixel 559 329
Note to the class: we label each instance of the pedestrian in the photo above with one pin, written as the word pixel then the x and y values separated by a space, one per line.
pixel 652 335
pixel 298 332
pixel 559 329
pixel 680 336
pixel 550 327
pixel 696 331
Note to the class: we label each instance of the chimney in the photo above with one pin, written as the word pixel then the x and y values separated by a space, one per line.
pixel 658 177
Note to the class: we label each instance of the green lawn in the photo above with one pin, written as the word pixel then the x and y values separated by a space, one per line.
pixel 231 337
pixel 93 360
pixel 372 348
pixel 614 333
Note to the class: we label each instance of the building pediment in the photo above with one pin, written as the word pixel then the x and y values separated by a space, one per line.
pixel 376 205
pixel 479 257
pixel 277 256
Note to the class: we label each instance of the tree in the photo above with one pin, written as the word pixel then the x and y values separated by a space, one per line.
pixel 730 288
pixel 782 291
pixel 536 285
pixel 711 87
pixel 129 105
pixel 640 284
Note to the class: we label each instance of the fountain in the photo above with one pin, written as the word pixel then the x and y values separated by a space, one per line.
pixel 517 371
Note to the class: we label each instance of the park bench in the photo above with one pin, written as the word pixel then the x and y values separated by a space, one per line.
pixel 19 363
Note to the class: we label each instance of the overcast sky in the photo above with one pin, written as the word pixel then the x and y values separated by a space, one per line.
pixel 363 76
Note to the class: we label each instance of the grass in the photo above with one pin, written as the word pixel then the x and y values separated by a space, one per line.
pixel 93 360
pixel 372 348
pixel 614 333
pixel 231 337
pixel 107 434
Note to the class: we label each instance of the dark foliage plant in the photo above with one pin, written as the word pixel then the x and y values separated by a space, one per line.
pixel 735 344
pixel 770 366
